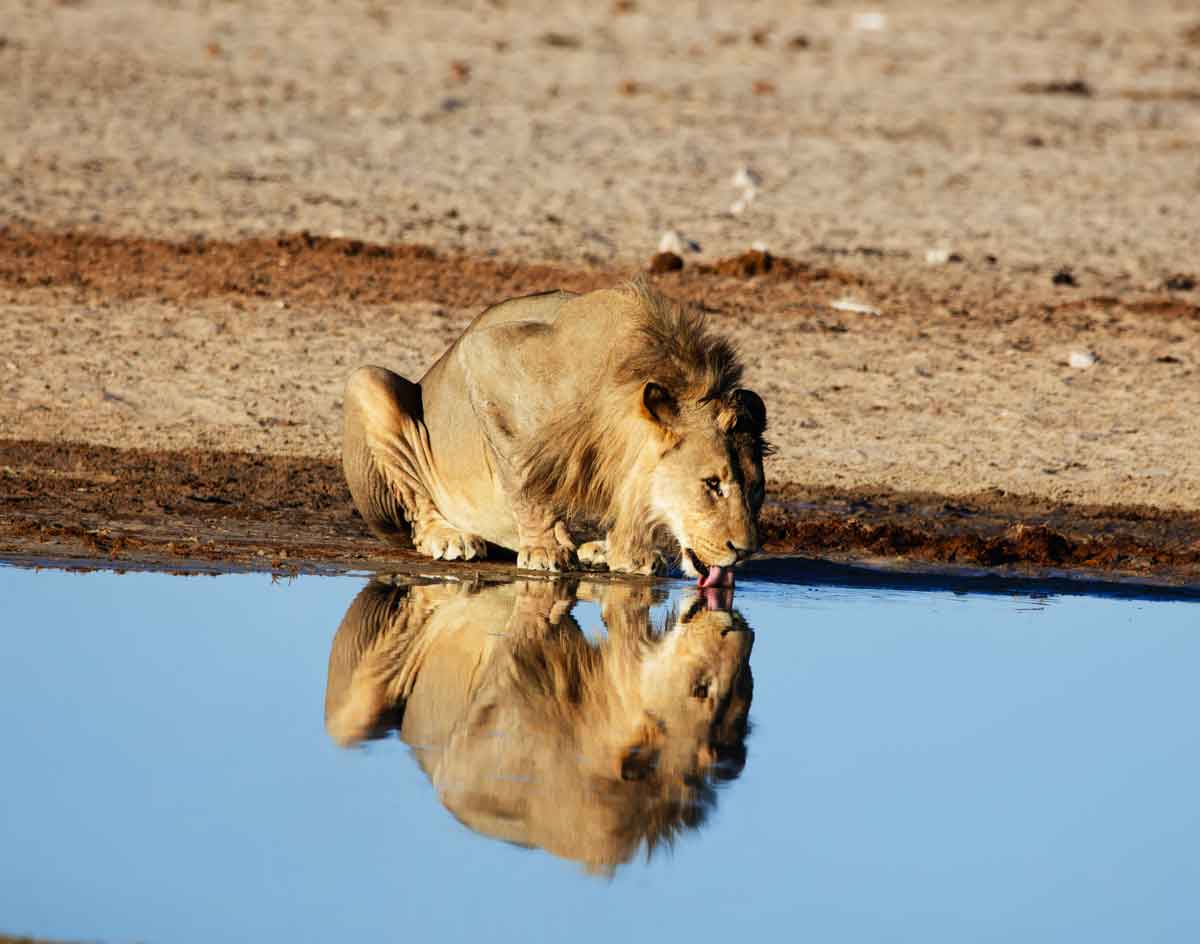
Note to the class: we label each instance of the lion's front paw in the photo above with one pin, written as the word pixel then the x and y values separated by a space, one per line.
pixel 638 562
pixel 552 549
pixel 593 555
pixel 440 541
pixel 545 557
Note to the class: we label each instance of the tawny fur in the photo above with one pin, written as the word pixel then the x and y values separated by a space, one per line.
pixel 530 731
pixel 556 419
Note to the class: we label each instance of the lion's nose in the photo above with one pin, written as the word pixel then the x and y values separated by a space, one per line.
pixel 739 553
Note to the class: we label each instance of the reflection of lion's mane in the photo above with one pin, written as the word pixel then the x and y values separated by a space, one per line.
pixel 651 794
pixel 534 734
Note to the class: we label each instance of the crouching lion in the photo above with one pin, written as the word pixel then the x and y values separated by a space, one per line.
pixel 614 414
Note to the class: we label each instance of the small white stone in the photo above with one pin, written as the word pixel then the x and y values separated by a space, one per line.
pixel 746 178
pixel 849 304
pixel 670 242
pixel 938 255
pixel 1081 360
pixel 759 246
pixel 869 21
pixel 674 241
pixel 742 203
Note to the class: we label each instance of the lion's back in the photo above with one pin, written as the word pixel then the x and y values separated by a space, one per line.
pixel 540 307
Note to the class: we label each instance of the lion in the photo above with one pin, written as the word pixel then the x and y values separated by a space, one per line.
pixel 532 734
pixel 615 415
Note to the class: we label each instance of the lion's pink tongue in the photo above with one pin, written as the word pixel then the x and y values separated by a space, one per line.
pixel 717 577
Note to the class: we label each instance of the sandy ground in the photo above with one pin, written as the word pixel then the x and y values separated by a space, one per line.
pixel 470 124
pixel 924 396
pixel 150 151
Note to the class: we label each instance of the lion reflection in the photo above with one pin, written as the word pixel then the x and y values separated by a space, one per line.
pixel 533 734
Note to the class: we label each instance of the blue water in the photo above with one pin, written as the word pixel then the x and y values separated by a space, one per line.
pixel 921 766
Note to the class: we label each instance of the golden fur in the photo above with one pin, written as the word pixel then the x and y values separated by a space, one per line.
pixel 557 418
pixel 534 734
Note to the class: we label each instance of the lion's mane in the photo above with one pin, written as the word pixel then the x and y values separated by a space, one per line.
pixel 582 463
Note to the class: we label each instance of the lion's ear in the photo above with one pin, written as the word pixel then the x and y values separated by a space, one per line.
pixel 751 411
pixel 658 403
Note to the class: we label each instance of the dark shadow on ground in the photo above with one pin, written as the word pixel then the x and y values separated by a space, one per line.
pixel 813 572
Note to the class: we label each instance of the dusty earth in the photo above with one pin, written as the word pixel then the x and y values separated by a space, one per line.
pixel 211 212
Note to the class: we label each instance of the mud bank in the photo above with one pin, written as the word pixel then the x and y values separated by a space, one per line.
pixel 67 501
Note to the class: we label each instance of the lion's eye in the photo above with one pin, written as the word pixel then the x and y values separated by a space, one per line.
pixel 700 690
pixel 713 484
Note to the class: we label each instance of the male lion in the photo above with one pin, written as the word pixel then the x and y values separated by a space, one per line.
pixel 553 416
pixel 534 734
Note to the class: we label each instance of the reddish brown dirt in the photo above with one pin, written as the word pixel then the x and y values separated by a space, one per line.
pixel 76 501
pixel 301 268
pixel 312 269
pixel 990 529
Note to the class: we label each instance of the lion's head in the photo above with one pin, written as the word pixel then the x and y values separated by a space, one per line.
pixel 671 451
pixel 693 677
pixel 707 484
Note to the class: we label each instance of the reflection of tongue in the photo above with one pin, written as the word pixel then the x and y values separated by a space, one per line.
pixel 719 598
pixel 717 577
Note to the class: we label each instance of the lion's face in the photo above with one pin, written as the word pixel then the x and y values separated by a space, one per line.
pixel 708 485
pixel 697 685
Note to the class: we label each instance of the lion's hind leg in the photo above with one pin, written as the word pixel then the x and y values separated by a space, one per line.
pixel 387 461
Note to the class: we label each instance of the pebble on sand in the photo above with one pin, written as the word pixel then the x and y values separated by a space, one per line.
pixel 858 308
pixel 746 178
pixel 676 242
pixel 748 181
pixel 869 21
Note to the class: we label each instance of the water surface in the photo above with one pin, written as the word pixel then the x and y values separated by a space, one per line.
pixel 185 761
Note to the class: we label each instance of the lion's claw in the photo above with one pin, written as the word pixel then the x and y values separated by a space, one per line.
pixel 442 542
pixel 599 555
pixel 644 563
pixel 542 557
pixel 551 550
